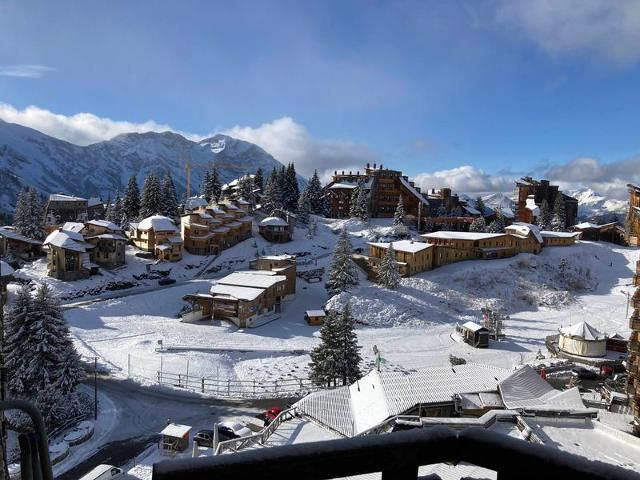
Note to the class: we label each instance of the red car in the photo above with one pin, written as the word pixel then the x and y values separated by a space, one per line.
pixel 270 415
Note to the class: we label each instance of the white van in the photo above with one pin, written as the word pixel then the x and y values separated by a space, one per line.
pixel 103 472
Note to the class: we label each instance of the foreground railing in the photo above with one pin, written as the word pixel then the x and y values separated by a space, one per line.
pixel 34 448
pixel 397 455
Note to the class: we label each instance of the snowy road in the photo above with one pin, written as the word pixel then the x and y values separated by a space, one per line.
pixel 141 412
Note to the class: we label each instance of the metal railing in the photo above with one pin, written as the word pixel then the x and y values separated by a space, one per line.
pixel 259 438
pixel 398 456
pixel 34 448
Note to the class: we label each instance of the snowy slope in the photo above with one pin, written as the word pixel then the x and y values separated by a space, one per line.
pixel 30 157
pixel 592 205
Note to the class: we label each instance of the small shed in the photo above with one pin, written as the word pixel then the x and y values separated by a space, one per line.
pixel 315 317
pixel 475 335
pixel 174 438
pixel 583 340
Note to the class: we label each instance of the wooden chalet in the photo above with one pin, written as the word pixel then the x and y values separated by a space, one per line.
pixel 531 193
pixel 158 234
pixel 275 230
pixel 109 241
pixel 411 256
pixel 633 216
pixel 475 335
pixel 62 208
pixel 609 232
pixel 68 255
pixel 559 239
pixel 19 245
pixel 6 275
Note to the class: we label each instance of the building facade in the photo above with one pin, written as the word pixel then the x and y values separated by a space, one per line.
pixel 412 257
pixel 62 208
pixel 275 230
pixel 68 255
pixel 633 359
pixel 158 234
pixel 18 245
pixel 211 229
pixel 633 216
pixel 531 193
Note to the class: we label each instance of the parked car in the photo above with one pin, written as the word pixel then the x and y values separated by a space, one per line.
pixel 104 472
pixel 233 430
pixel 166 281
pixel 204 438
pixel 584 373
pixel 270 415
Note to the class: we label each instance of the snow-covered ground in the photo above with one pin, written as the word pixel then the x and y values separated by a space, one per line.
pixel 411 326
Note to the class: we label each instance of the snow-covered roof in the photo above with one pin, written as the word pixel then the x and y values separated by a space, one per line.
pixel 284 256
pixel 157 223
pixel 249 279
pixel 587 225
pixel 221 230
pixel 339 185
pixel 316 313
pixel 73 227
pixel 241 201
pixel 273 222
pixel 412 189
pixel 546 233
pixel 105 224
pixel 525 389
pixel 462 235
pixel 59 197
pixel 524 229
pixel 584 331
pixel 471 210
pixel 234 291
pixel 195 202
pixel 175 430
pixel 408 246
pixel 66 240
pixel 507 212
pixel 7 233
pixel 94 201
pixel 5 269
pixel 177 239
pixel 234 224
pixel 473 326
pixel 530 204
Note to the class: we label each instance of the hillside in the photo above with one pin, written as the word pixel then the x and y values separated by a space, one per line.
pixel 52 165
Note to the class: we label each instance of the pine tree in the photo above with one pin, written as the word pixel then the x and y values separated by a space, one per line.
pixel 304 207
pixel 354 201
pixel 17 333
pixel 169 197
pixel 118 216
pixel 324 365
pixel 544 217
pixel 151 200
pixel 281 189
pixel 348 361
pixel 316 198
pixel 258 179
pixel 269 196
pixel 131 201
pixel 292 191
pixel 108 211
pixel 246 187
pixel 495 227
pixel 363 203
pixel 400 229
pixel 558 220
pixel 480 206
pixel 342 272
pixel 205 186
pixel 388 271
pixel 499 222
pixel 478 225
pixel 28 215
pixel 215 187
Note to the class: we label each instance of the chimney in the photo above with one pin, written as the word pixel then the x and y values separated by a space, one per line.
pixel 374 166
pixel 350 173
pixel 367 164
pixel 342 172
pixel 358 172
pixel 335 172
pixel 380 166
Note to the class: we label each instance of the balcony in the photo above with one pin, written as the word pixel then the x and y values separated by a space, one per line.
pixel 634 321
pixel 397 456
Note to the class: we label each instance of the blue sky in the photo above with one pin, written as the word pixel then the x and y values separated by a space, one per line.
pixel 498 87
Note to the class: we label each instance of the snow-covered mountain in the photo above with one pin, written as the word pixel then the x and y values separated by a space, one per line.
pixel 594 206
pixel 29 157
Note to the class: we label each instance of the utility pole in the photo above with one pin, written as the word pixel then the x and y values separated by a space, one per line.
pixel 95 388
pixel 628 301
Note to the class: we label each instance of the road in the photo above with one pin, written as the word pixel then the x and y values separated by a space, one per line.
pixel 143 412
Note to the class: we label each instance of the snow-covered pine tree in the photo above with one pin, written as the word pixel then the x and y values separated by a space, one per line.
pixel 151 199
pixel 258 179
pixel 400 229
pixel 478 225
pixel 544 217
pixel 36 213
pixel 496 226
pixel 558 220
pixel 479 205
pixel 348 349
pixel 205 186
pixel 343 272
pixel 108 211
pixel 441 211
pixel 28 216
pixel 304 207
pixel 324 365
pixel 16 334
pixel 499 222
pixel 281 188
pixel 246 187
pixel 363 203
pixel 169 197
pixel 292 191
pixel 388 271
pixel 131 201
pixel 315 195
pixel 354 199
pixel 269 194
pixel 119 217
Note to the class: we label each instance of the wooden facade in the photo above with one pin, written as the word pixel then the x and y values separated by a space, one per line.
pixel 65 208
pixel 282 265
pixel 412 257
pixel 608 232
pixel 275 230
pixel 633 216
pixel 159 235
pixel 454 247
pixel 19 245
pixel 528 189
pixel 68 256
pixel 559 239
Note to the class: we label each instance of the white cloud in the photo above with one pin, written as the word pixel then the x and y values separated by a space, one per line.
pixel 464 179
pixel 81 128
pixel 289 141
pixel 283 138
pixel 606 29
pixel 25 71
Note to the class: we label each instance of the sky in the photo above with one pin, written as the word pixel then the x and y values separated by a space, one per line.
pixel 466 93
